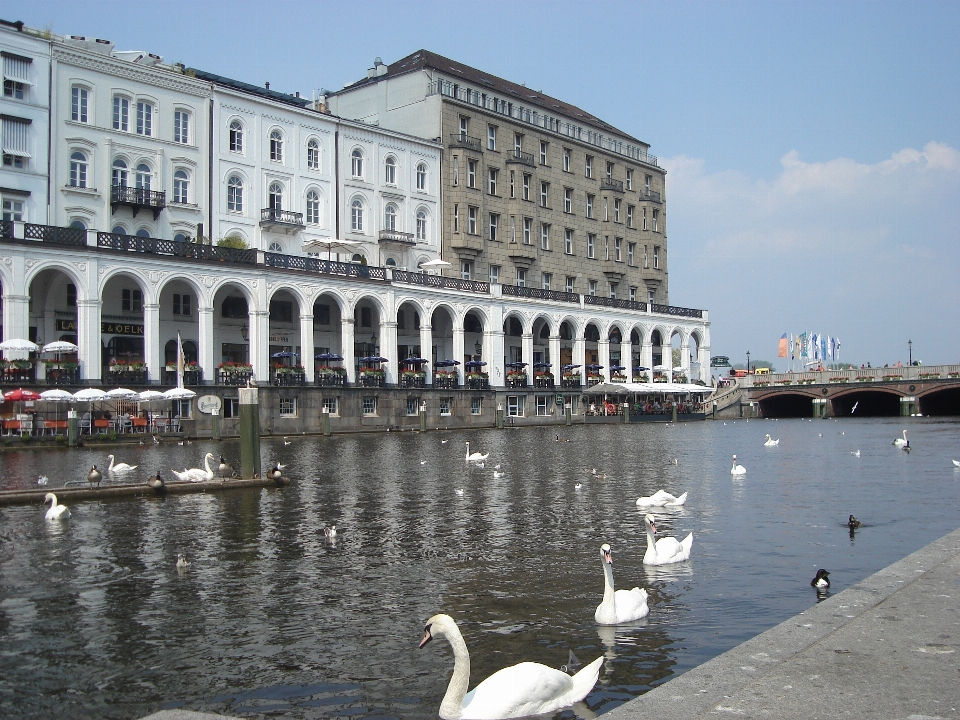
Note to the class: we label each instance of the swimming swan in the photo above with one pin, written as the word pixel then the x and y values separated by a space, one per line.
pixel 517 691
pixel 56 512
pixel 661 498
pixel 666 550
pixel 737 469
pixel 771 442
pixel 196 474
pixel 119 467
pixel 475 457
pixel 957 463
pixel 618 606
pixel 902 442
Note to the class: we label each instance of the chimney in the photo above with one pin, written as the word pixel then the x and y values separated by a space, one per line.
pixel 266 85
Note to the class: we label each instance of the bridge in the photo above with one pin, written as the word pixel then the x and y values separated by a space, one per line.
pixel 873 392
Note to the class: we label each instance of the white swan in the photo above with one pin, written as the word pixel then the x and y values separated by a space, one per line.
pixel 475 457
pixel 771 442
pixel 902 442
pixel 618 606
pixel 855 452
pixel 196 474
pixel 666 550
pixel 119 468
pixel 56 512
pixel 737 469
pixel 661 498
pixel 957 463
pixel 517 691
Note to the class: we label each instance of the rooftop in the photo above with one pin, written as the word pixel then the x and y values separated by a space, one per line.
pixel 249 88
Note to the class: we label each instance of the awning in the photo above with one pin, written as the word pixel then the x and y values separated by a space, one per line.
pixel 642 388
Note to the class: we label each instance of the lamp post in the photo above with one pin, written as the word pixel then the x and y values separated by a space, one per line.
pixel 910 350
pixel 748 362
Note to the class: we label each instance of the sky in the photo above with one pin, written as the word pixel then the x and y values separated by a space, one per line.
pixel 812 148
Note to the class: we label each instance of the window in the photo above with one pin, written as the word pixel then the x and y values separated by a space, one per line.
pixel 456 217
pixel 569 284
pixel 566 160
pixel 275 196
pixel 119 173
pixel 544 236
pixel 617 249
pixel 144 177
pixel 369 406
pixel 631 251
pixel 515 405
pixel 471 220
pixel 471 173
pixel 16 73
pixel 606 215
pixel 181 237
pixel 78 169
pixel 616 210
pixel 143 233
pixel 645 264
pixel 181 187
pixel 121 114
pixel 629 179
pixel 119 230
pixel 456 170
pixel 15 142
pixel 590 199
pixel 181 304
pixel 235 194
pixel 356 216
pixel 591 287
pixel 629 215
pixel 568 241
pixel 390 217
pixel 546 280
pixel 543 405
pixel 517 144
pixel 131 300
pixel 568 200
pixel 494 225
pixel 12 209
pixel 544 194
pixel 588 166
pixel 181 127
pixel 445 404
pixel 646 182
pixel 513 229
pixel 356 163
pixel 421 226
pixel 527 231
pixel 144 118
pixel 591 245
pixel 413 406
pixel 476 405
pixel 236 136
pixel 288 407
pixel 492 181
pixel 390 171
pixel 71 295
pixel 606 247
pixel 544 147
pixel 422 177
pixel 235 307
pixel 313 155
pixel 276 146
pixel 656 221
pixel 231 407
pixel 79 99
pixel 491 137
pixel 526 186
pixel 521 277
pixel 330 405
pixel 464 126
pixel 633 294
pixel 494 274
pixel 609 171
pixel 466 270
pixel 656 256
pixel 80 225
pixel 650 297
pixel 313 208
pixel 644 211
pixel 613 290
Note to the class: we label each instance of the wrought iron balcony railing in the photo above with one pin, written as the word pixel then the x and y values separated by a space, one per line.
pixel 524 158
pixel 275 216
pixel 611 184
pixel 465 141
pixel 395 236
pixel 154 200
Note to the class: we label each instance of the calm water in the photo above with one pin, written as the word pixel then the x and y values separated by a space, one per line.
pixel 271 619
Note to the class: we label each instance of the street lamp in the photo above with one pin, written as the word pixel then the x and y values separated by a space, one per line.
pixel 748 362
pixel 910 348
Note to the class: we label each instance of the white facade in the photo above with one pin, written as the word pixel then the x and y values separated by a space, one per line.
pixel 25 119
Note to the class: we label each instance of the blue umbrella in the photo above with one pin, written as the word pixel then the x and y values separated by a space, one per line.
pixel 542 365
pixel 373 359
pixel 328 356
pixel 414 361
pixel 569 367
pixel 285 354
pixel 516 365
pixel 474 363
pixel 617 367
pixel 638 368
pixel 594 366
pixel 446 363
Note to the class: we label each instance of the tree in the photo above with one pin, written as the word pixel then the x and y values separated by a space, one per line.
pixel 233 241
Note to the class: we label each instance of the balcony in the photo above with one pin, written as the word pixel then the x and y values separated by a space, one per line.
pixel 52 234
pixel 465 141
pixel 651 195
pixel 466 241
pixel 521 253
pixel 397 237
pixel 540 294
pixel 614 270
pixel 439 281
pixel 155 246
pixel 522 158
pixel 287 377
pixel 137 198
pixel 611 184
pixel 285 221
pixel 614 303
pixel 677 311
pixel 192 376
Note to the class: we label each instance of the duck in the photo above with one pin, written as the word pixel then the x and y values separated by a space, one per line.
pixel 182 562
pixel 820 580
pixel 855 453
pixel 666 550
pixel 459 491
pixel 56 512
pixel 559 439
pixel 737 469
pixel 661 498
pixel 853 523
pixel 517 691
pixel 771 442
pixel 156 482
pixel 197 474
pixel 119 468
pixel 94 476
pixel 618 606
pixel 578 486
pixel 43 479
pixel 226 469
pixel 598 475
pixel 443 442
pixel 276 472
pixel 156 441
pixel 498 474
pixel 475 457
pixel 902 442
pixel 330 531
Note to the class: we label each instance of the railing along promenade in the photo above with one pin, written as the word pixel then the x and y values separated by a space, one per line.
pixel 917 373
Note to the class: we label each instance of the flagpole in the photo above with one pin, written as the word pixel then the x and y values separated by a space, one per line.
pixel 179 361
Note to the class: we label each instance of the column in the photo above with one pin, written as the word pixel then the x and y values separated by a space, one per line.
pixel 704 353
pixel 206 353
pixel 580 357
pixel 260 345
pixel 306 346
pixel 646 357
pixel 527 348
pixel 388 348
pixel 554 343
pixel 493 352
pixel 426 347
pixel 685 357
pixel 16 317
pixel 88 338
pixel 603 350
pixel 626 358
pixel 458 348
pixel 346 345
pixel 151 342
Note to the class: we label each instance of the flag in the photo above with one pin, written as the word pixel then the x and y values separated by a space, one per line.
pixel 833 348
pixel 823 347
pixel 836 349
pixel 792 348
pixel 782 350
pixel 179 361
pixel 802 345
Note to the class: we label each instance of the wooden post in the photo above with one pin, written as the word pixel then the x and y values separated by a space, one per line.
pixel 423 417
pixel 499 416
pixel 73 428
pixel 325 416
pixel 249 433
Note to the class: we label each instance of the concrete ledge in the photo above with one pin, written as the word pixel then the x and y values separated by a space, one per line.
pixel 888 647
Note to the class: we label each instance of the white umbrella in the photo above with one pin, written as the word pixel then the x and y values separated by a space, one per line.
pixel 328 244
pixel 179 394
pixel 436 262
pixel 90 395
pixel 56 395
pixel 150 395
pixel 19 344
pixel 121 394
pixel 60 346
pixel 660 367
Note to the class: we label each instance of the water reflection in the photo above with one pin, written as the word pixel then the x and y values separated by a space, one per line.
pixel 272 616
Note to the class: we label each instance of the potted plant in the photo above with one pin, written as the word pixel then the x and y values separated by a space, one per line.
pixel 516 378
pixel 618 377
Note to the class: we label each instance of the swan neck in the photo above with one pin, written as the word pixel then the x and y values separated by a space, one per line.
pixel 451 708
pixel 651 543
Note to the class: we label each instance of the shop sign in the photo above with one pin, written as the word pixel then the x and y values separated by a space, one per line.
pixel 111 328
pixel 209 404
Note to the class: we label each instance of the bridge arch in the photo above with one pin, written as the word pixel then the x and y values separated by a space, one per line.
pixel 941 401
pixel 866 402
pixel 787 404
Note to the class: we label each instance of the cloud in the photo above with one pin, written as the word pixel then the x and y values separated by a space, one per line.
pixel 870 252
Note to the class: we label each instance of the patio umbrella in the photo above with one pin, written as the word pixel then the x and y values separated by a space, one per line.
pixel 594 366
pixel 179 394
pixel 617 367
pixel 121 394
pixel 60 346
pixel 435 263
pixel 660 367
pixel 446 363
pixel 150 396
pixel 640 368
pixel 373 359
pixel 56 395
pixel 542 365
pixel 569 367
pixel 328 356
pixel 19 395
pixel 414 361
pixel 285 354
pixel 329 244
pixel 90 395
pixel 19 344
pixel 474 363
pixel 516 365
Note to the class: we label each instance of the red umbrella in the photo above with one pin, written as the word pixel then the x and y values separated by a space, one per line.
pixel 21 394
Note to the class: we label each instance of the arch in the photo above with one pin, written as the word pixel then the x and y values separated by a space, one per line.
pixel 313 153
pixel 299 295
pixel 390 167
pixel 421 176
pixel 374 299
pixel 235 131
pixel 390 216
pixel 190 280
pixel 142 281
pixel 356 162
pixel 275 195
pixel 519 317
pixel 143 232
pixel 942 399
pixel 443 322
pixel 478 310
pixel 276 145
pixel 410 316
